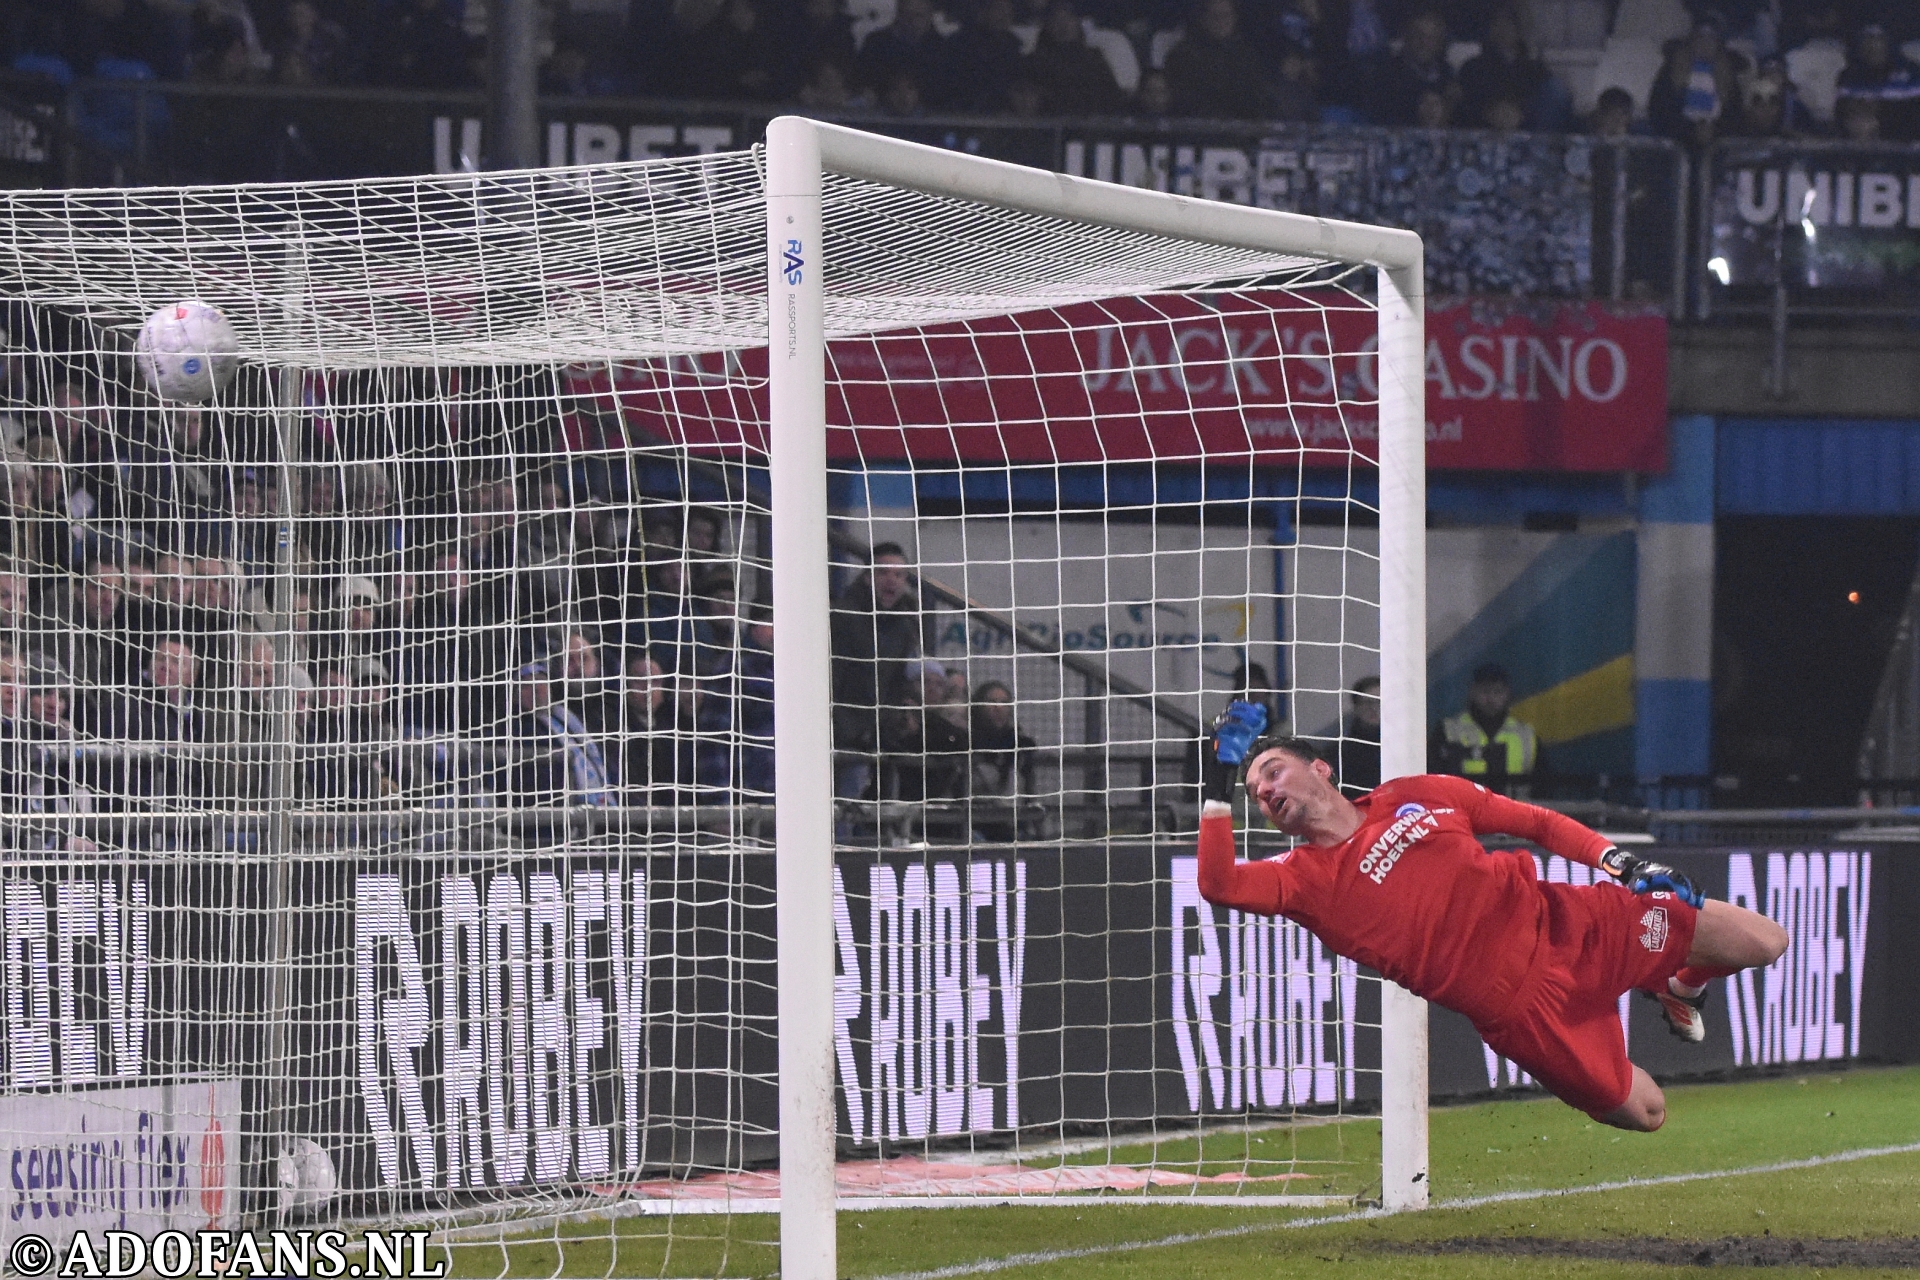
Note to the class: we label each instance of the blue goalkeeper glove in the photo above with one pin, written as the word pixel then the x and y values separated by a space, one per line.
pixel 1641 876
pixel 1226 748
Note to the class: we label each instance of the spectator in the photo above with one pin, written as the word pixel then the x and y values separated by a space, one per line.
pixel 1074 79
pixel 650 743
pixel 180 483
pixel 756 709
pixel 353 734
pixel 247 722
pixel 374 537
pixel 176 601
pixel 1214 71
pixel 1025 98
pixel 588 694
pixel 1809 20
pixel 60 779
pixel 95 644
pixel 986 56
pixel 1357 760
pixel 1695 88
pixel 1487 743
pixel 1612 117
pixel 165 712
pixel 1763 105
pixel 452 656
pixel 823 37
pixel 1400 83
pixel 39 770
pixel 900 95
pixel 46 539
pixel 1859 119
pixel 17 630
pixel 312 49
pixel 1301 26
pixel 1296 94
pixel 1505 73
pixel 354 627
pixel 225 44
pixel 946 732
pixel 826 88
pixel 706 534
pixel 911 47
pixel 556 761
pixel 1003 760
pixel 89 450
pixel 876 634
pixel 1366 34
pixel 424 47
pixel 734 55
pixel 902 770
pixel 1878 72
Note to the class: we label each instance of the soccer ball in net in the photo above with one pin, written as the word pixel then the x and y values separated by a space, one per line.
pixel 306 1177
pixel 187 352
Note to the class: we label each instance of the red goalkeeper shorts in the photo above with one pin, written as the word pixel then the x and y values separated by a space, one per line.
pixel 1564 1026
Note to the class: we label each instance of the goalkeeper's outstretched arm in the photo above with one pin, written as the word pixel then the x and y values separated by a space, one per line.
pixel 1557 833
pixel 1224 880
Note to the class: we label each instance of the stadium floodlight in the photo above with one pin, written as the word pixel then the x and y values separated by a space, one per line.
pixel 402 913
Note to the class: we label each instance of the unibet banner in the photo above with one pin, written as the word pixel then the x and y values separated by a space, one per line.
pixel 1275 377
pixel 469 1023
pixel 1827 216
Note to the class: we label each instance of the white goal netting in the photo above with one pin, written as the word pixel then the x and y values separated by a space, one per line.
pixel 388 742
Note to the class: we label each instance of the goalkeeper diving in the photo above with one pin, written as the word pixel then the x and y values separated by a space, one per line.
pixel 1396 880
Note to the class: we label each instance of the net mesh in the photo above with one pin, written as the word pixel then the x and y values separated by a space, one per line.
pixel 389 739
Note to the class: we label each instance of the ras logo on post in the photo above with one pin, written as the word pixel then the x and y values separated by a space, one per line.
pixel 793 262
pixel 1654 922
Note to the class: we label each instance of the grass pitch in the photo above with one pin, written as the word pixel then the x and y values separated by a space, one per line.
pixel 1857 1210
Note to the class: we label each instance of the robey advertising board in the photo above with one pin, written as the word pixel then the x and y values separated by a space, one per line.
pixel 464 1022
pixel 986 993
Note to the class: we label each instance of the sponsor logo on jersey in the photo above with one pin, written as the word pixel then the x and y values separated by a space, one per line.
pixel 1413 823
pixel 1654 929
pixel 1412 806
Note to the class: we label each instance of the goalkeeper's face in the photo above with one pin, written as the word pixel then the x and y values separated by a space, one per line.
pixel 1296 794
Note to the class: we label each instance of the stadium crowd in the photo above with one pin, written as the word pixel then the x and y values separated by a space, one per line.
pixel 1728 67
pixel 501 625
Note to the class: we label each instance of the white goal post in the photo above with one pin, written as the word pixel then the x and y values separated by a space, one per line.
pixel 389 732
pixel 801 276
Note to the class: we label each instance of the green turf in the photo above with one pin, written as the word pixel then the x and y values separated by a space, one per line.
pixel 1477 1150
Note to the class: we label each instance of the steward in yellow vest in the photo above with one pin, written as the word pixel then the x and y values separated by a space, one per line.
pixel 1486 743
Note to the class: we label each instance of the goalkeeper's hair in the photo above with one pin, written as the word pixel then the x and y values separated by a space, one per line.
pixel 1300 748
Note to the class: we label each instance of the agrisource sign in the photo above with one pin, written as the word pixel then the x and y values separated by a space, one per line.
pixel 467 1023
pixel 1280 378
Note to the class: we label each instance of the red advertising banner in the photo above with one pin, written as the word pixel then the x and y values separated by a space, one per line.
pixel 1272 376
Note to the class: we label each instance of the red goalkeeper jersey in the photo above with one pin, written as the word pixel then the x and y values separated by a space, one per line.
pixel 1412 893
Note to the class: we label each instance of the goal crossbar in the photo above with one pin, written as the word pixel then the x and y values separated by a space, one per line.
pixel 801 155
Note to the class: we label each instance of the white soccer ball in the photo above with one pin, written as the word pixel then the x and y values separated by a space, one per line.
pixel 306 1178
pixel 187 352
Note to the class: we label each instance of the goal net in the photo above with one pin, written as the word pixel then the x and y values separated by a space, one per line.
pixel 391 739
